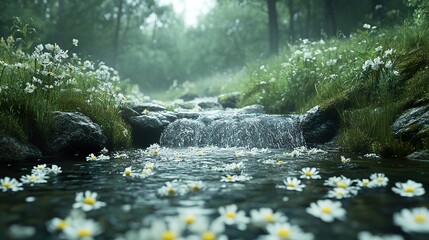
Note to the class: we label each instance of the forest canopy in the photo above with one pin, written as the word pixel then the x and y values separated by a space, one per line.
pixel 150 44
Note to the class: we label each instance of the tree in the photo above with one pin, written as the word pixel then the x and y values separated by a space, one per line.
pixel 273 27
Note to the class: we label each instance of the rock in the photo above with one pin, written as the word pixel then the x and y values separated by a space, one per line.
pixel 12 149
pixel 152 107
pixel 419 156
pixel 75 133
pixel 229 100
pixel 256 108
pixel 147 128
pixel 319 125
pixel 412 124
pixel 209 105
pixel 189 96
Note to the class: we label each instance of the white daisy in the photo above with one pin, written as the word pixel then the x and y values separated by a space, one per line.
pixel 55 170
pixel 235 178
pixel 173 188
pixel 378 180
pixel 56 225
pixel 81 229
pixel 342 182
pixel 149 165
pixel 127 172
pixel 310 173
pixel 345 160
pixel 327 210
pixel 34 178
pixel 121 156
pixel 339 193
pixel 196 186
pixel 145 173
pixel 41 168
pixel 230 216
pixel 280 231
pixel 293 184
pixel 87 201
pixel 91 157
pixel 364 235
pixel 11 184
pixel 204 230
pixel 363 182
pixel 409 189
pixel 264 216
pixel 413 220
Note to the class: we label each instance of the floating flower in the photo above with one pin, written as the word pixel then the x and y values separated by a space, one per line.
pixel 409 189
pixel 293 184
pixel 145 173
pixel 173 188
pixel 149 165
pixel 75 42
pixel 205 230
pixel 367 26
pixel 11 184
pixel 342 182
pixel 378 180
pixel 230 216
pixel 368 236
pixel 55 170
pixel 371 155
pixel 413 220
pixel 280 231
pixel 310 173
pixel 34 178
pixel 264 216
pixel 121 156
pixel 87 201
pixel 171 229
pixel 345 160
pixel 327 210
pixel 82 229
pixel 196 186
pixel 235 178
pixel 127 172
pixel 91 157
pixel 363 182
pixel 339 193
pixel 57 225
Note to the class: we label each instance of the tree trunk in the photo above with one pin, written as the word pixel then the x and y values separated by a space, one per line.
pixel 117 32
pixel 331 23
pixel 291 8
pixel 273 27
pixel 60 28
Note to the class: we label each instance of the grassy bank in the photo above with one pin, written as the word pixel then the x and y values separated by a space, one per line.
pixel 36 80
pixel 369 77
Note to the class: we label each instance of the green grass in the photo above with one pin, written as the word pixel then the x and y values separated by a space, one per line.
pixel 33 84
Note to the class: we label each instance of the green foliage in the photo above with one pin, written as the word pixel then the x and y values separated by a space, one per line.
pixel 34 84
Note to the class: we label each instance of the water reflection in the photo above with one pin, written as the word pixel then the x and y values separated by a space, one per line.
pixel 131 200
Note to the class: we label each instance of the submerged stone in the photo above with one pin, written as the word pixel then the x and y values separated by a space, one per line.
pixel 12 149
pixel 319 125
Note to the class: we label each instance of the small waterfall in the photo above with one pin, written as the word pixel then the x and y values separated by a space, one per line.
pixel 233 130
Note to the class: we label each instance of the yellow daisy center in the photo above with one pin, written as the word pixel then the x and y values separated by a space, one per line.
pixel 89 200
pixel 379 179
pixel 291 184
pixel 341 185
pixel 168 235
pixel 190 219
pixel 127 172
pixel 420 218
pixel 230 178
pixel 170 191
pixel 84 233
pixel 326 210
pixel 149 167
pixel 365 182
pixel 61 225
pixel 280 162
pixel 195 188
pixel 308 174
pixel 155 151
pixel 283 233
pixel 93 157
pixel 269 217
pixel 230 215
pixel 32 178
pixel 6 185
pixel 208 236
pixel 40 167
pixel 409 189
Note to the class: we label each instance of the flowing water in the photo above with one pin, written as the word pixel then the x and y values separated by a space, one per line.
pixel 133 203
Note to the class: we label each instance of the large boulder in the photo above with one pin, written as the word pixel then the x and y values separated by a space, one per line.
pixel 12 149
pixel 319 125
pixel 74 133
pixel 147 128
pixel 229 100
pixel 413 124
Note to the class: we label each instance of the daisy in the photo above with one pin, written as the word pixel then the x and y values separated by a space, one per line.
pixel 342 182
pixel 173 188
pixel 409 189
pixel 264 216
pixel 196 186
pixel 310 173
pixel 368 236
pixel 87 201
pixel 230 216
pixel 11 184
pixel 91 157
pixel 339 193
pixel 170 229
pixel 189 217
pixel 121 156
pixel 345 160
pixel 363 182
pixel 41 168
pixel 279 231
pixel 327 210
pixel 235 178
pixel 205 230
pixel 34 178
pixel 149 165
pixel 234 166
pixel 55 170
pixel 127 172
pixel 378 180
pixel 81 228
pixel 293 184
pixel 145 173
pixel 413 220
pixel 56 225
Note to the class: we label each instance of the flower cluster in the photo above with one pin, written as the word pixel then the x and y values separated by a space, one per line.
pixel 39 174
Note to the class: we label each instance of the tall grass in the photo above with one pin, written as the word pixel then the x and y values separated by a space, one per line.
pixel 36 82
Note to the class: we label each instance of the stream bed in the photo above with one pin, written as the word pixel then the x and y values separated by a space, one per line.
pixel 139 203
